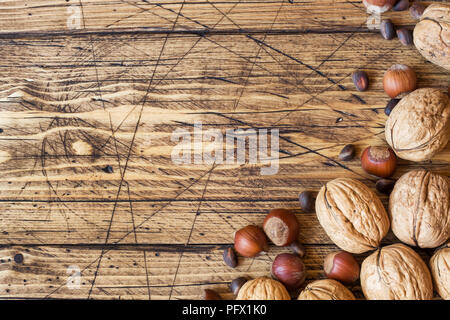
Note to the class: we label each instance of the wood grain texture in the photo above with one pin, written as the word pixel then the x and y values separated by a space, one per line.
pixel 73 101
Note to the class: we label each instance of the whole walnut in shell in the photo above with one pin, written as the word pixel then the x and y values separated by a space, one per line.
pixel 263 289
pixel 327 289
pixel 419 125
pixel 440 271
pixel 419 207
pixel 352 215
pixel 432 34
pixel 395 272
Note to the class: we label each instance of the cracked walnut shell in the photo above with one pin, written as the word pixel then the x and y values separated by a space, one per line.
pixel 432 34
pixel 352 215
pixel 440 271
pixel 326 289
pixel 419 207
pixel 419 125
pixel 396 272
pixel 263 289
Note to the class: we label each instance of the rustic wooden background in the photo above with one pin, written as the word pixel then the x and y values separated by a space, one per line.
pixel 112 93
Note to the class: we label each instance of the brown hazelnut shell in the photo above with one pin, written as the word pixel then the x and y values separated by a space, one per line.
pixel 281 227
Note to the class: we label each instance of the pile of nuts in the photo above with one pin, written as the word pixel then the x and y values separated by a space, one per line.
pixel 353 216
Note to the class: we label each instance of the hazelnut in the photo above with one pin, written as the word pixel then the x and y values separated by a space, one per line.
pixel 229 257
pixel 289 269
pixel 431 34
pixel 250 241
pixel 379 161
pixel 405 36
pixel 341 266
pixel 390 106
pixel 378 6
pixel 419 126
pixel 237 284
pixel 352 215
pixel 263 289
pixel 385 186
pixel 416 10
pixel 401 5
pixel 281 227
pixel 306 199
pixel 298 248
pixel 347 153
pixel 209 294
pixel 395 272
pixel 360 80
pixel 399 79
pixel 419 207
pixel 387 29
pixel 326 289
pixel 440 271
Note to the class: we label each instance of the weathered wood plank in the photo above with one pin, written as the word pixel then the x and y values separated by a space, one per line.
pixel 261 15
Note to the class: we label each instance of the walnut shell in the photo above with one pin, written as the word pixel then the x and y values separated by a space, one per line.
pixel 440 271
pixel 263 289
pixel 327 289
pixel 432 34
pixel 352 215
pixel 396 272
pixel 419 207
pixel 419 125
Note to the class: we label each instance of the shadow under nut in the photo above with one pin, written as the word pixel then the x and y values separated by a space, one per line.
pixel 352 215
pixel 396 272
pixel 419 209
pixel 419 125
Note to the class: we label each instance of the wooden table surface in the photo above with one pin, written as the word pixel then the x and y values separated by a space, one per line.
pixel 113 90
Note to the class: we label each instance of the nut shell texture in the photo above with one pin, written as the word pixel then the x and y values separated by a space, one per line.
pixel 440 271
pixel 263 289
pixel 352 215
pixel 396 272
pixel 419 126
pixel 327 289
pixel 432 34
pixel 419 207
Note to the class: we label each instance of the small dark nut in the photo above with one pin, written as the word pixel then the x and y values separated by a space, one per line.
pixel 390 106
pixel 307 201
pixel 360 80
pixel 298 249
pixel 405 36
pixel 401 5
pixel 210 294
pixel 387 29
pixel 229 257
pixel 385 186
pixel 347 153
pixel 416 10
pixel 236 284
pixel 108 169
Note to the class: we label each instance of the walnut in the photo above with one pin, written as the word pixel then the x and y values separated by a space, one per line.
pixel 440 271
pixel 419 126
pixel 419 207
pixel 263 289
pixel 432 34
pixel 395 272
pixel 327 289
pixel 352 215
